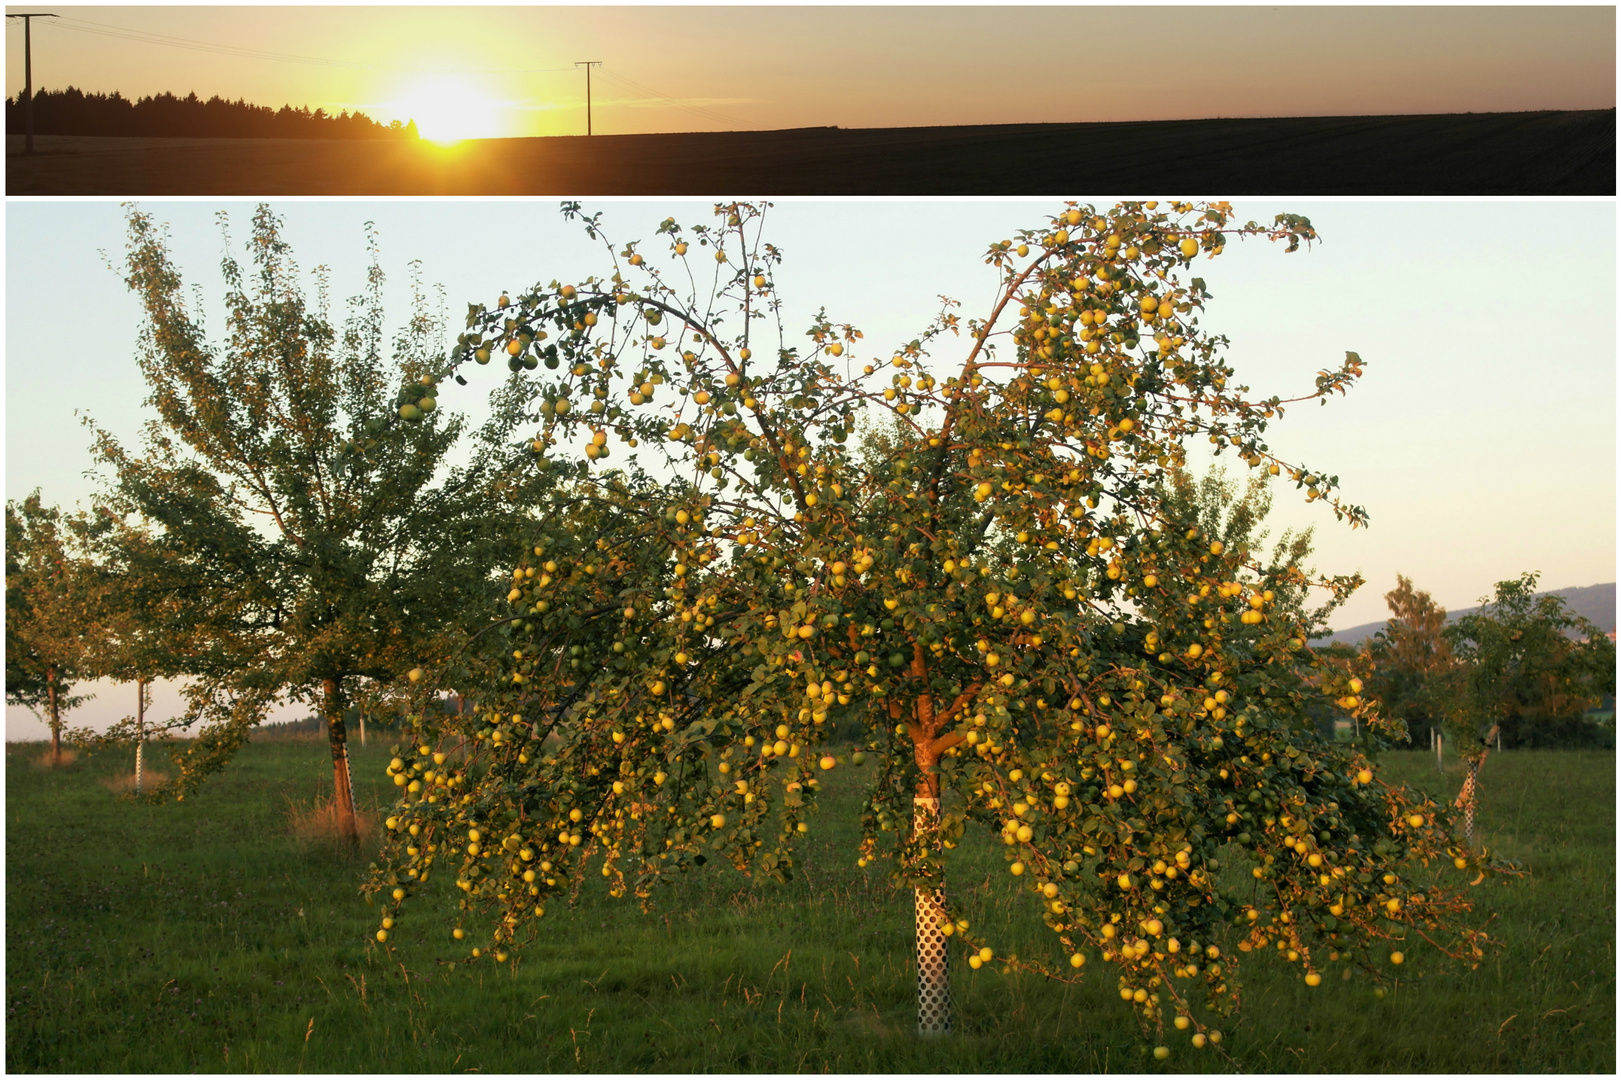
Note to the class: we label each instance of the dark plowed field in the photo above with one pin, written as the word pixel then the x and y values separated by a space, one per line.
pixel 1534 153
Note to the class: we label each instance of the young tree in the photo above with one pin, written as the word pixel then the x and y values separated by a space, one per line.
pixel 1003 588
pixel 1224 513
pixel 1524 659
pixel 148 630
pixel 1221 510
pixel 313 544
pixel 1414 672
pixel 49 613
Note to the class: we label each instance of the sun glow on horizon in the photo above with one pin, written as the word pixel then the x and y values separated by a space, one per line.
pixel 448 109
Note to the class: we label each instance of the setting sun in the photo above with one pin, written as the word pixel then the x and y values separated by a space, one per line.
pixel 448 109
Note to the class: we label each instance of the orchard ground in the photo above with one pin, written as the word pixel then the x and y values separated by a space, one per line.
pixel 203 936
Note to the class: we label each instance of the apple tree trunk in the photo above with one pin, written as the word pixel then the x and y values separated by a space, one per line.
pixel 343 787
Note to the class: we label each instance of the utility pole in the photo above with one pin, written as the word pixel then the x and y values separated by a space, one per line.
pixel 28 73
pixel 588 65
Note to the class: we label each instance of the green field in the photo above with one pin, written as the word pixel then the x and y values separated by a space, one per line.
pixel 205 937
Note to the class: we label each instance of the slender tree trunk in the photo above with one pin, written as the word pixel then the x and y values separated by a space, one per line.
pixel 343 787
pixel 1440 752
pixel 361 714
pixel 933 982
pixel 140 729
pixel 56 717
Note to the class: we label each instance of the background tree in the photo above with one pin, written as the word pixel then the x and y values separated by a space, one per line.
pixel 50 613
pixel 74 112
pixel 149 629
pixel 1525 660
pixel 1234 517
pixel 1414 675
pixel 1004 592
pixel 316 545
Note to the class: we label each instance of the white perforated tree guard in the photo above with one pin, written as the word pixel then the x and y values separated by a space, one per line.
pixel 140 730
pixel 1470 795
pixel 933 981
pixel 1466 799
pixel 349 776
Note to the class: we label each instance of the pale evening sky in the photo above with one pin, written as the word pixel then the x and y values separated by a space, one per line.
pixel 507 71
pixel 1481 440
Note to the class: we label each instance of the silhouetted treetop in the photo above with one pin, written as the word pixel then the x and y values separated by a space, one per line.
pixel 74 112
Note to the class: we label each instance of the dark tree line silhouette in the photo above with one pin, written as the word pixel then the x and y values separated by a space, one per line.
pixel 74 112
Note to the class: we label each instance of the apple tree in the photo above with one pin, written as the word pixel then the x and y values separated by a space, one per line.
pixel 148 630
pixel 1523 659
pixel 312 546
pixel 1414 672
pixel 1042 642
pixel 51 615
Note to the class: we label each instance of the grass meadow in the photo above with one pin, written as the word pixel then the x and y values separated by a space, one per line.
pixel 222 935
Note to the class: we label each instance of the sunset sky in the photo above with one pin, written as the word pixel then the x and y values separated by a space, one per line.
pixel 1482 440
pixel 480 71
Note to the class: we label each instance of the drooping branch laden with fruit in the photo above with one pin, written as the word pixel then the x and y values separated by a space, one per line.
pixel 991 580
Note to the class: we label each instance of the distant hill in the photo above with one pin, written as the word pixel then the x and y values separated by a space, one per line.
pixel 1595 602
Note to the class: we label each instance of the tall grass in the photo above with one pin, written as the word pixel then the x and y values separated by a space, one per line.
pixel 207 936
pixel 317 824
pixel 123 783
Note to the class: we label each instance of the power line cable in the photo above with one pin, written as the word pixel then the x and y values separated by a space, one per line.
pixel 699 110
pixel 702 110
pixel 86 26
pixel 103 30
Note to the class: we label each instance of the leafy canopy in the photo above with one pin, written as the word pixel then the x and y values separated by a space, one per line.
pixel 50 610
pixel 307 542
pixel 1526 657
pixel 1001 587
pixel 1414 672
